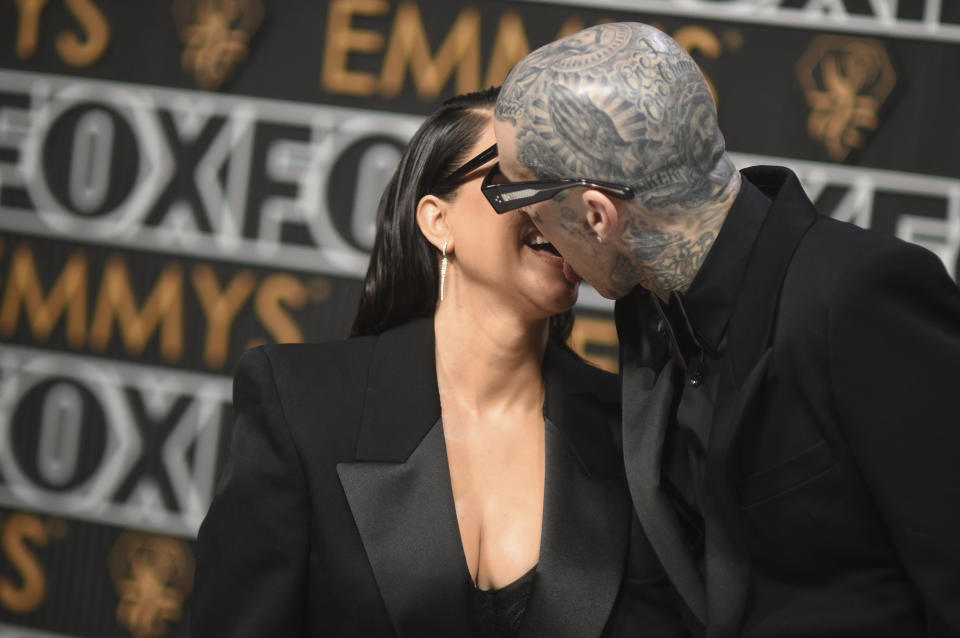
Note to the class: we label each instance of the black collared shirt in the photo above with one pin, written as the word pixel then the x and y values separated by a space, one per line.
pixel 693 326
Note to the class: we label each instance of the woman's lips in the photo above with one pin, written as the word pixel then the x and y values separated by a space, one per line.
pixel 557 261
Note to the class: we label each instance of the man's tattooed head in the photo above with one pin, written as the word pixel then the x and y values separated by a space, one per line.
pixel 621 103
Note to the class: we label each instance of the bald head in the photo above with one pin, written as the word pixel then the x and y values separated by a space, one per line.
pixel 622 103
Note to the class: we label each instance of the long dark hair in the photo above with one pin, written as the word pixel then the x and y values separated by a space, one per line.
pixel 403 277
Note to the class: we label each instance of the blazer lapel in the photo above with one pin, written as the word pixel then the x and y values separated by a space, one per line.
pixel 399 490
pixel 790 216
pixel 749 344
pixel 727 564
pixel 400 495
pixel 647 403
pixel 647 409
pixel 586 512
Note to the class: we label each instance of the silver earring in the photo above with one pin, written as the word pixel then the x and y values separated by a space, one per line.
pixel 443 269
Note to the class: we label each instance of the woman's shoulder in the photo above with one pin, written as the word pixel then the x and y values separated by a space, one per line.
pixel 308 364
pixel 339 368
pixel 312 358
pixel 320 390
pixel 313 391
pixel 322 378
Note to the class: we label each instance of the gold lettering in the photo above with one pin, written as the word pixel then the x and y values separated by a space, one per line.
pixel 510 45
pixel 220 307
pixel 19 529
pixel 67 295
pixel 29 27
pixel 163 309
pixel 695 38
pixel 574 24
pixel 342 39
pixel 571 26
pixel 409 47
pixel 588 332
pixel 84 53
pixel 276 293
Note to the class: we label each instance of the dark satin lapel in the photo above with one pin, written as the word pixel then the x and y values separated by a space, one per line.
pixel 406 518
pixel 399 491
pixel 751 323
pixel 727 564
pixel 586 517
pixel 647 404
pixel 749 340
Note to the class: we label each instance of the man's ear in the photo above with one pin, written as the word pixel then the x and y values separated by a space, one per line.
pixel 602 214
pixel 432 220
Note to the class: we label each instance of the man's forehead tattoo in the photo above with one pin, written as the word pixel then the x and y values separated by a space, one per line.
pixel 622 103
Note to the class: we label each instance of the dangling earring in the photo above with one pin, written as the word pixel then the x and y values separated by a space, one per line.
pixel 443 269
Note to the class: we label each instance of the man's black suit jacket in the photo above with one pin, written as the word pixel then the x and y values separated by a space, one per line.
pixel 833 465
pixel 335 514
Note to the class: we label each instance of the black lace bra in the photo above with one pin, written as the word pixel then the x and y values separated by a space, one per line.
pixel 497 612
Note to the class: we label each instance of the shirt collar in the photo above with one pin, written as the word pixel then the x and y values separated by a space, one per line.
pixel 708 303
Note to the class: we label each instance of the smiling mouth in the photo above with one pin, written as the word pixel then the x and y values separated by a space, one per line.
pixel 546 251
pixel 539 243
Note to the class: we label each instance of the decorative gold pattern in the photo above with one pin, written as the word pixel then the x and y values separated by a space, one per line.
pixel 846 81
pixel 216 34
pixel 153 576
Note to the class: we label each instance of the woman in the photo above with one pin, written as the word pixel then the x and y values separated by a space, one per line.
pixel 450 471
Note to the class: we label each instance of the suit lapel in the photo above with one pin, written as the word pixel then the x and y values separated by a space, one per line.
pixel 586 512
pixel 648 392
pixel 406 518
pixel 727 563
pixel 399 490
pixel 752 320
pixel 750 335
pixel 400 495
pixel 647 405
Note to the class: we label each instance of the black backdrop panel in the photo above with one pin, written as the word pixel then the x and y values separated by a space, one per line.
pixel 183 179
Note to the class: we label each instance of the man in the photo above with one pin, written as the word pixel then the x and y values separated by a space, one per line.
pixel 791 429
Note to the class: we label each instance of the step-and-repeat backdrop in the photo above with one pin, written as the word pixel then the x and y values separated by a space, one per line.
pixel 182 179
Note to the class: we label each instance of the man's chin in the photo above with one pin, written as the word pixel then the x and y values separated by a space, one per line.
pixel 608 292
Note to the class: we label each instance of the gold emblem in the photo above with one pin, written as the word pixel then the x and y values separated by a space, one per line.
pixel 153 576
pixel 846 80
pixel 216 34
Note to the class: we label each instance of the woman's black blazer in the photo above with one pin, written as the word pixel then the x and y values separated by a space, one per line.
pixel 335 515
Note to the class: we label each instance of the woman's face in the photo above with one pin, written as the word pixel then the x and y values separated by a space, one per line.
pixel 505 256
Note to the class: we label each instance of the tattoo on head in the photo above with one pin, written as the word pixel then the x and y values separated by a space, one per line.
pixel 625 103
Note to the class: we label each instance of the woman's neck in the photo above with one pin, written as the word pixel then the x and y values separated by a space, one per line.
pixel 488 358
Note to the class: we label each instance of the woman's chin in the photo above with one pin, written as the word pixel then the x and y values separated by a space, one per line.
pixel 560 296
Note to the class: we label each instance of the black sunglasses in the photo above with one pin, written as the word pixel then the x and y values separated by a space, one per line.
pixel 470 166
pixel 506 196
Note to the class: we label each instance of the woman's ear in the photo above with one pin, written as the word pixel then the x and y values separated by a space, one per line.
pixel 432 220
pixel 602 214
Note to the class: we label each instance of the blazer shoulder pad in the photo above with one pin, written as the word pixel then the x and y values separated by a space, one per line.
pixel 314 382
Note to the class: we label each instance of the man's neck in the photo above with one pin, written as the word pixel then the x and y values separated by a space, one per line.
pixel 678 259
